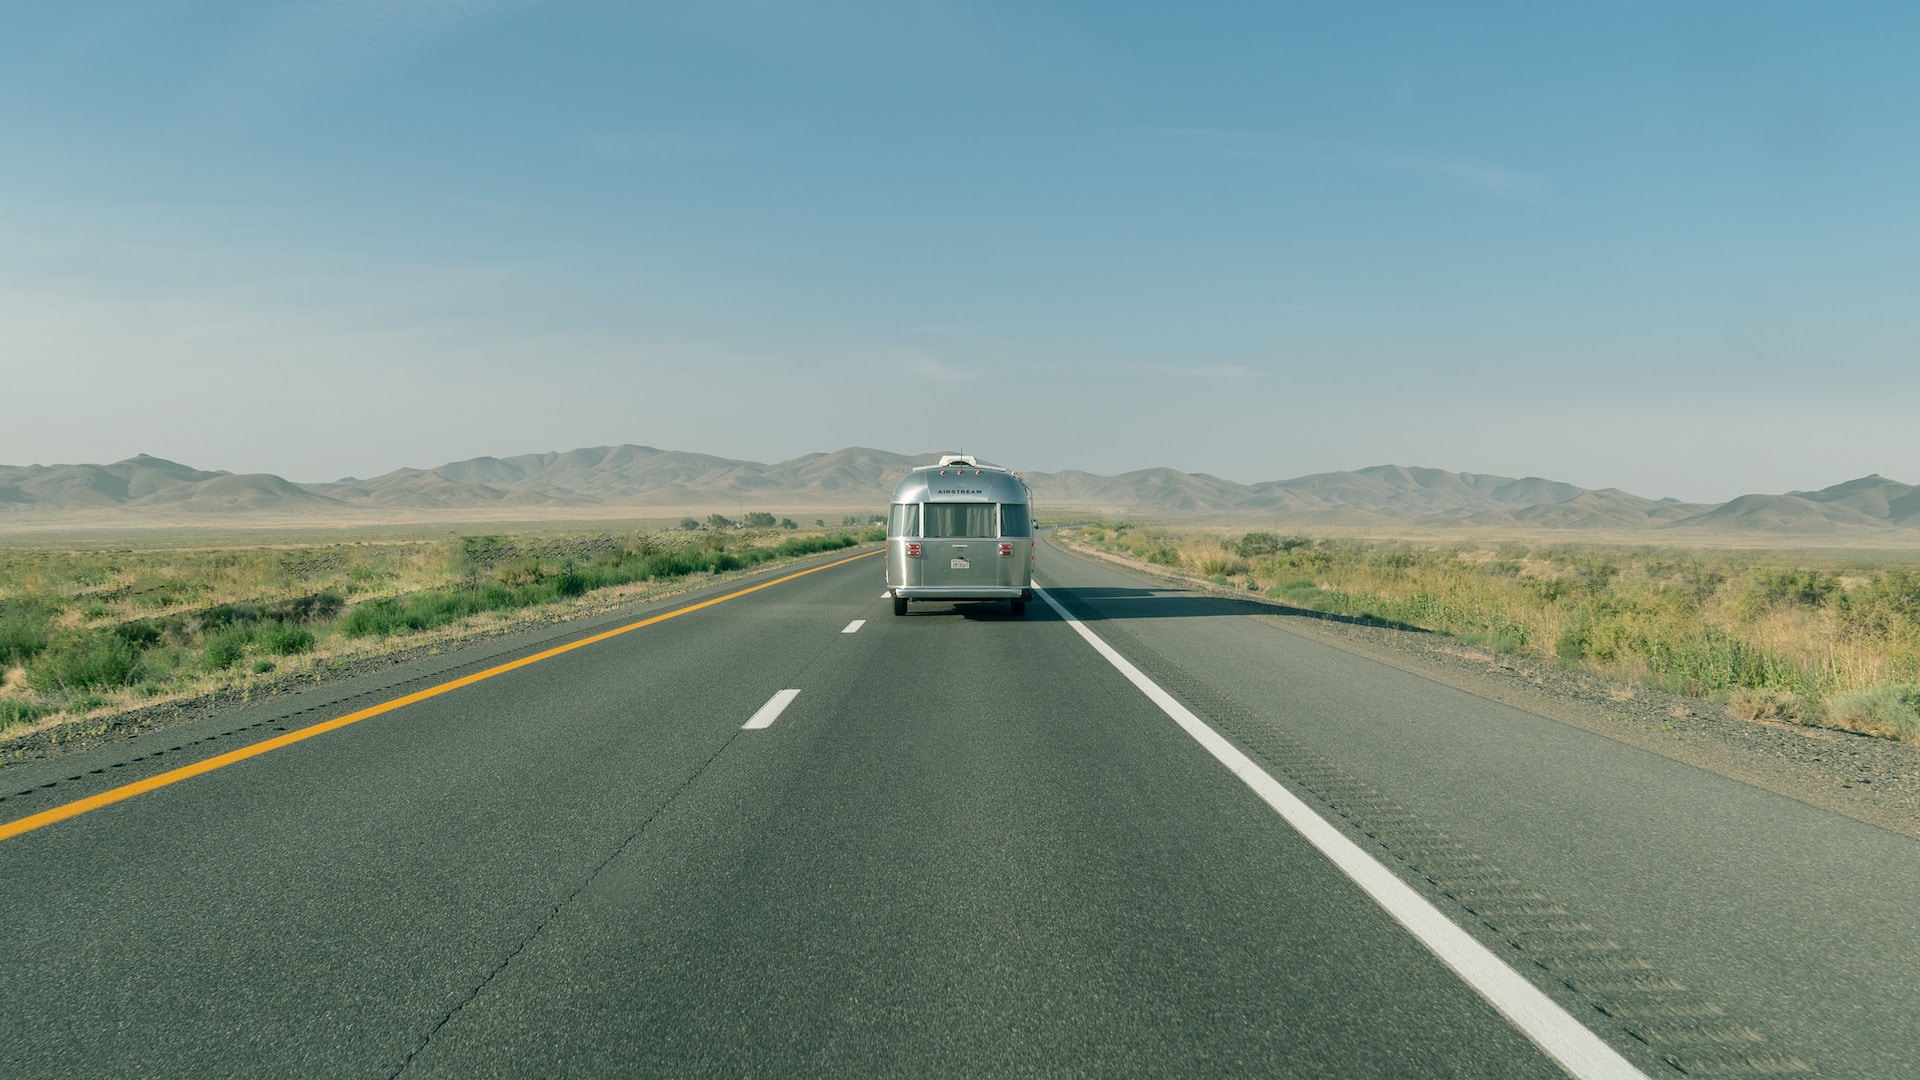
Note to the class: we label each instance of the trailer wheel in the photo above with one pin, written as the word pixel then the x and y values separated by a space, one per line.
pixel 899 605
pixel 1019 607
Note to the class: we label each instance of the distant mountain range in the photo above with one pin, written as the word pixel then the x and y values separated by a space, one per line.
pixel 620 480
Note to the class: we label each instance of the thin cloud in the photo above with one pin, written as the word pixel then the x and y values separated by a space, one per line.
pixel 1462 172
pixel 928 368
pixel 1205 371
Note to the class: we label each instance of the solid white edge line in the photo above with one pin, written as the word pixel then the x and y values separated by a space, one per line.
pixel 771 711
pixel 1578 1050
pixel 854 626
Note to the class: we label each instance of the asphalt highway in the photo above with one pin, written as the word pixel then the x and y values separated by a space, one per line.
pixel 949 843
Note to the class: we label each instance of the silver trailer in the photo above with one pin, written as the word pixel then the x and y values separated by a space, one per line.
pixel 960 530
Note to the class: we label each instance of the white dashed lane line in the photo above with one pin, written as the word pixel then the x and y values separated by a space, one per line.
pixel 771 711
pixel 854 626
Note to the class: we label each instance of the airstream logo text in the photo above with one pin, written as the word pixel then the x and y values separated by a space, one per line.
pixel 962 491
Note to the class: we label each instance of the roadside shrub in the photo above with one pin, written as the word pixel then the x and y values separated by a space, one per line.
pixel 1749 703
pixel 24 632
pixel 1508 639
pixel 1799 588
pixel 141 633
pixel 322 605
pixel 814 545
pixel 285 639
pixel 226 646
pixel 1212 561
pixel 91 660
pixel 1712 660
pixel 521 574
pixel 1891 710
pixel 1256 543
pixel 160 663
pixel 15 712
pixel 433 608
pixel 1571 646
pixel 372 618
pixel 1886 606
pixel 160 592
pixel 1300 592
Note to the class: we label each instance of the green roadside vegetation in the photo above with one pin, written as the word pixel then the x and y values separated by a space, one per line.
pixel 1825 640
pixel 86 629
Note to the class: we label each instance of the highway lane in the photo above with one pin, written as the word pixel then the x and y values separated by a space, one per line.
pixel 315 910
pixel 1795 921
pixel 966 845
pixel 965 848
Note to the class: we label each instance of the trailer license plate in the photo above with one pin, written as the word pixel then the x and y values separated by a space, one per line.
pixel 959 564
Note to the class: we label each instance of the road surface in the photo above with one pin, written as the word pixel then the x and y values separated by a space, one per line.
pixel 789 833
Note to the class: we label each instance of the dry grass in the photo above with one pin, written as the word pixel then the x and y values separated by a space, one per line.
pixel 1211 559
pixel 1889 710
pixel 86 629
pixel 1773 635
pixel 1751 704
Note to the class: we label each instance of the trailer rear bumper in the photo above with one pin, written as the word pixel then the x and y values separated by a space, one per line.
pixel 970 592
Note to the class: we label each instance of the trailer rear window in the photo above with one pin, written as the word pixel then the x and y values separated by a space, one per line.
pixel 961 519
pixel 1013 519
pixel 904 520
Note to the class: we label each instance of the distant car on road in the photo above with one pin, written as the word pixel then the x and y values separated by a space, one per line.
pixel 960 530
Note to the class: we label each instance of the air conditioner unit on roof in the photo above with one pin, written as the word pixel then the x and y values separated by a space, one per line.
pixel 958 459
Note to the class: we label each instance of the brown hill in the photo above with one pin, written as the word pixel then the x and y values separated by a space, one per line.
pixel 1789 514
pixel 100 485
pixel 227 493
pixel 1874 495
pixel 630 478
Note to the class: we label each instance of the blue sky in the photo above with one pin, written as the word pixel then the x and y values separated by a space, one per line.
pixel 1665 247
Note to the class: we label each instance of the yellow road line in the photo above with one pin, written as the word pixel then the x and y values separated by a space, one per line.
pixel 107 798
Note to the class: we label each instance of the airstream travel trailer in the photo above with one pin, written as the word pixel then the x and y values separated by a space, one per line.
pixel 960 530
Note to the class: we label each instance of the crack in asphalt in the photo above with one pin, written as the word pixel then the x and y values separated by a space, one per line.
pixel 559 906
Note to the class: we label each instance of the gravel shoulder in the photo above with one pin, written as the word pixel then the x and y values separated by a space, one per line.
pixel 1866 778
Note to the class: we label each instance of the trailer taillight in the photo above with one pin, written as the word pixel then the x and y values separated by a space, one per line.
pixel 913 551
pixel 1006 551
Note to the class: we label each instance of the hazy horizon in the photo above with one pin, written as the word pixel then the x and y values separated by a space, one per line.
pixel 1658 249
pixel 924 453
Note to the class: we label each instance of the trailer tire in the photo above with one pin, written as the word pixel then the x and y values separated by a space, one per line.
pixel 899 605
pixel 1019 607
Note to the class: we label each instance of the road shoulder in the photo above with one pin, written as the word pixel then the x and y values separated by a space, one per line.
pixel 1872 780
